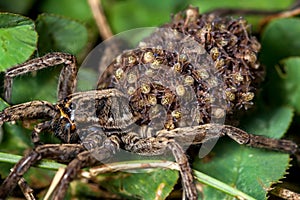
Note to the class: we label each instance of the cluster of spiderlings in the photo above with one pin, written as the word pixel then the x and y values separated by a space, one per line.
pixel 154 78
pixel 225 63
pixel 232 48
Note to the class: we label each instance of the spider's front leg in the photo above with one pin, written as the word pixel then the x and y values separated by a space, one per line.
pixel 58 152
pixel 67 79
pixel 85 159
pixel 31 110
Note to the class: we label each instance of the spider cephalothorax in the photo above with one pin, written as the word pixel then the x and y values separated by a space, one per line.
pixel 94 125
pixel 93 108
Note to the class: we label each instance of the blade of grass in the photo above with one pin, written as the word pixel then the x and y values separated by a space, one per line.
pixel 11 158
pixel 201 177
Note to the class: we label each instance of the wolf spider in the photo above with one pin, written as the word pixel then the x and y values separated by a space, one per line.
pixel 86 119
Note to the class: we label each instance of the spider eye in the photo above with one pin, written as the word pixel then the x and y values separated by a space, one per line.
pixel 72 106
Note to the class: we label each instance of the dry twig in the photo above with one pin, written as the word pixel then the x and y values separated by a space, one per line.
pixel 99 16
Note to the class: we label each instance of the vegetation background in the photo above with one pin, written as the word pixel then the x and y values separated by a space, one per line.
pixel 230 170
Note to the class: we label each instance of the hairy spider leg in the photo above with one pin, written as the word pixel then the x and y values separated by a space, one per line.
pixel 259 141
pixel 189 187
pixel 84 159
pixel 205 132
pixel 26 189
pixel 57 152
pixel 31 110
pixel 67 78
pixel 157 146
pixel 45 110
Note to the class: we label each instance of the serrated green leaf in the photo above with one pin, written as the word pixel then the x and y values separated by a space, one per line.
pixel 145 185
pixel 17 39
pixel 270 122
pixel 60 34
pixel 290 82
pixel 247 169
pixel 280 40
pixel 56 34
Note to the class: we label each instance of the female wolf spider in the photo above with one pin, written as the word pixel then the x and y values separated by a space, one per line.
pixel 79 118
pixel 94 125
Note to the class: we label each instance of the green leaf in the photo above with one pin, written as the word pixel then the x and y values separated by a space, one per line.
pixel 17 39
pixel 282 87
pixel 280 40
pixel 16 6
pixel 269 5
pixel 290 82
pixel 270 122
pixel 86 79
pixel 79 10
pixel 126 15
pixel 55 34
pixel 43 86
pixel 208 5
pixel 10 158
pixel 60 34
pixel 3 104
pixel 142 185
pixel 16 139
pixel 247 169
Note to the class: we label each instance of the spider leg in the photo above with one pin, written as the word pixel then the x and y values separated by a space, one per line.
pixel 27 191
pixel 203 133
pixel 67 79
pixel 259 141
pixel 84 159
pixel 158 145
pixel 29 110
pixel 58 152
pixel 185 170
